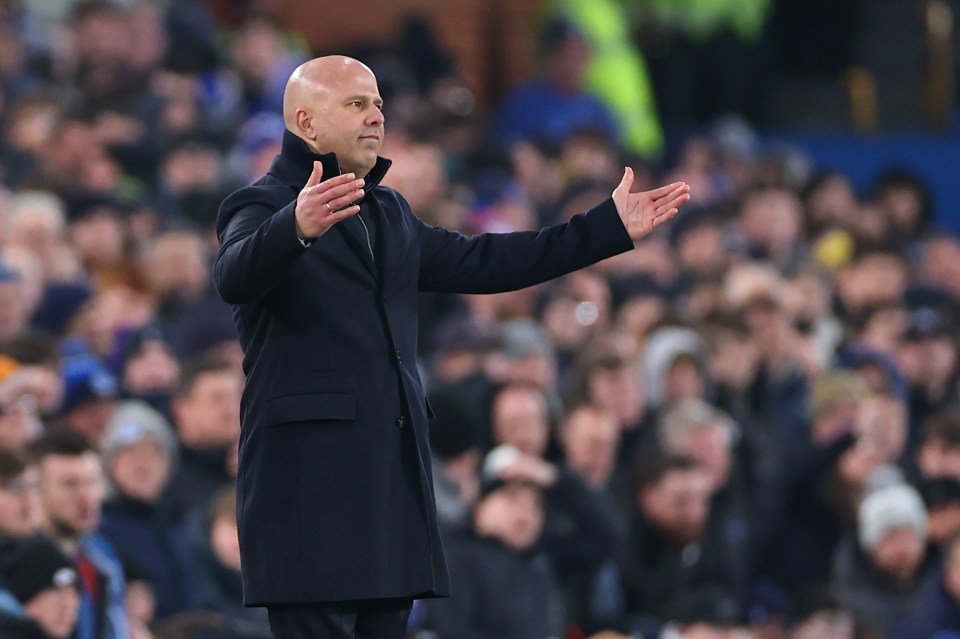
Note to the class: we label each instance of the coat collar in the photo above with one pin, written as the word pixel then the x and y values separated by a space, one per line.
pixel 295 163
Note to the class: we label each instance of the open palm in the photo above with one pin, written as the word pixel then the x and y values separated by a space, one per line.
pixel 643 212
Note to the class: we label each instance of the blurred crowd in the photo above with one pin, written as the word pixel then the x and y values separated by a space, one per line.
pixel 748 427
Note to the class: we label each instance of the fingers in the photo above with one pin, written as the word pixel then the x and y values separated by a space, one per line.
pixel 665 217
pixel 669 196
pixel 337 186
pixel 335 193
pixel 677 200
pixel 342 214
pixel 668 189
pixel 316 174
pixel 343 195
pixel 320 205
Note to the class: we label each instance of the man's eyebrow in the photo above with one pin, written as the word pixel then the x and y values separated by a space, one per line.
pixel 364 98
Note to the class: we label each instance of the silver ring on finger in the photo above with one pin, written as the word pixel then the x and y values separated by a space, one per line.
pixel 328 207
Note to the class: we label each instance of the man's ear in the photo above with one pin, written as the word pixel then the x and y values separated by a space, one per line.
pixel 305 124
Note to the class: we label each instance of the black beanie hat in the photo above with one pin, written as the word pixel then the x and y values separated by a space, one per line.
pixel 455 429
pixel 30 566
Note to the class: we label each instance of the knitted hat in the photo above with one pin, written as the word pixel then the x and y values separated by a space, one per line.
pixel 890 508
pixel 491 474
pixel 456 429
pixel 30 566
pixel 132 422
pixel 85 380
pixel 523 338
pixel 60 303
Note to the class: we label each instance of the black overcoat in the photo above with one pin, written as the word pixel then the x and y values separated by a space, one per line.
pixel 335 494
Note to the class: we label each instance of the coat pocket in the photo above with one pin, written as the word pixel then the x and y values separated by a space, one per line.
pixel 308 407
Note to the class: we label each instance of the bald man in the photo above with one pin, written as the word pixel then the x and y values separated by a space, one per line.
pixel 322 264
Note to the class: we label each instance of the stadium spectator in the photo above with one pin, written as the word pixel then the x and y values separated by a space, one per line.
pixel 555 105
pixel 19 495
pixel 45 584
pixel 206 413
pixel 72 490
pixel 138 452
pixel 881 576
pixel 939 616
pixel 508 588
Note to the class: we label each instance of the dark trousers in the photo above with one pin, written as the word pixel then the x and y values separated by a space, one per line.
pixel 365 619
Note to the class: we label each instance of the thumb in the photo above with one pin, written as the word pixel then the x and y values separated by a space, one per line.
pixel 316 174
pixel 626 182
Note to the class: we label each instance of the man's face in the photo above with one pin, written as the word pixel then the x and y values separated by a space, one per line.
pixel 55 610
pixel 152 368
pixel 944 522
pixel 939 459
pixel 178 265
pixel 679 504
pixel 19 422
pixel 20 504
pixel 512 514
pixel 519 419
pixel 683 381
pixel 71 493
pixel 12 309
pixel 711 447
pixel 140 470
pixel 103 38
pixel 590 444
pixel 349 121
pixel 883 420
pixel 618 390
pixel 210 414
pixel 899 553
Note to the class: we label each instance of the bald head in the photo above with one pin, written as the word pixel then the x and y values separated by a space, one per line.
pixel 314 77
pixel 333 104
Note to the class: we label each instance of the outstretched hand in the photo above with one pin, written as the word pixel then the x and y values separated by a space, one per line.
pixel 320 205
pixel 643 212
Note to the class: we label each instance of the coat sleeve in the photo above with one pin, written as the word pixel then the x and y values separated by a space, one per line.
pixel 496 262
pixel 258 246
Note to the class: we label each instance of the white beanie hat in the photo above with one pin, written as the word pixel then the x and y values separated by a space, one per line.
pixel 889 508
pixel 132 422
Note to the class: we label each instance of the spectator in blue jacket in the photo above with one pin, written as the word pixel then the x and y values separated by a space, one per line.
pixel 555 105
pixel 138 452
pixel 72 490
pixel 940 618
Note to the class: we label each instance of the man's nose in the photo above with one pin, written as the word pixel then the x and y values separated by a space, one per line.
pixel 375 117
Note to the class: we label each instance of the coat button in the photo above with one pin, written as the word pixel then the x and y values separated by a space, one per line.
pixel 401 422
